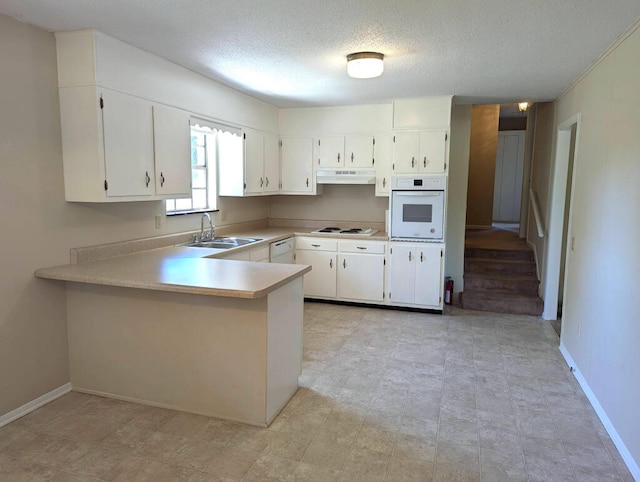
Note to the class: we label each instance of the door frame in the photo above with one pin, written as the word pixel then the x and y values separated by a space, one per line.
pixel 554 247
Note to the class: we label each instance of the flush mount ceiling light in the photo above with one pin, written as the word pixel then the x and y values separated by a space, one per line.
pixel 522 106
pixel 365 65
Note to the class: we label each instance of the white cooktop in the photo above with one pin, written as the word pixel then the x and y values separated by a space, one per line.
pixel 348 231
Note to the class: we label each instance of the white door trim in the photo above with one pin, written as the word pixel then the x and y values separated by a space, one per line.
pixel 553 249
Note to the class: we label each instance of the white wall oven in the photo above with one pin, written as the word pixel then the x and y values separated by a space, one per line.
pixel 416 208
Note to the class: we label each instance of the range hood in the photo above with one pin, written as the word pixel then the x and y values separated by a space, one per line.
pixel 345 176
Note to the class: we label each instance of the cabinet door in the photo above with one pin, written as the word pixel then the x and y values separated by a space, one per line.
pixel 433 149
pixel 402 274
pixel 172 144
pixel 321 280
pixel 329 151
pixel 361 277
pixel 296 156
pixel 358 151
pixel 128 144
pixel 253 162
pixel 405 152
pixel 383 158
pixel 428 275
pixel 271 163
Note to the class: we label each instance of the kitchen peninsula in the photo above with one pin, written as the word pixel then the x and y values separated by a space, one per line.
pixel 172 328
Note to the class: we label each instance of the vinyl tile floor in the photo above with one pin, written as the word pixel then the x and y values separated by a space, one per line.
pixel 385 396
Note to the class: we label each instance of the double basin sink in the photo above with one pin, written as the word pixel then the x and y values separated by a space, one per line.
pixel 223 242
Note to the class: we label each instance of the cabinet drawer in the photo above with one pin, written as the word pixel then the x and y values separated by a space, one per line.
pixel 358 246
pixel 260 254
pixel 318 244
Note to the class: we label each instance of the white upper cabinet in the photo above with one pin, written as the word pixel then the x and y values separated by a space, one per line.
pixel 405 151
pixel 433 150
pixel 128 144
pixel 107 145
pixel 172 145
pixel 329 151
pixel 383 158
pixel 358 151
pixel 296 166
pixel 253 162
pixel 271 164
pixel 344 151
pixel 259 173
pixel 420 152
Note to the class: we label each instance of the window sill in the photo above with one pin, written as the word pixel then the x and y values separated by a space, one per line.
pixel 197 211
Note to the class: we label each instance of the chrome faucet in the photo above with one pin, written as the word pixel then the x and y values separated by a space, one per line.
pixel 211 234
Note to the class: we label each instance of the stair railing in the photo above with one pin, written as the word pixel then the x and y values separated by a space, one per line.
pixel 536 212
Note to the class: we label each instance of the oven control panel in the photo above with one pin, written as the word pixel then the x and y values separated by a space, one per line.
pixel 419 183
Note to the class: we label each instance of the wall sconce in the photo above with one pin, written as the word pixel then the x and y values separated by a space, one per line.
pixel 365 65
pixel 522 106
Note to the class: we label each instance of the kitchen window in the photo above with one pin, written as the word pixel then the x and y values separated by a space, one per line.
pixel 210 142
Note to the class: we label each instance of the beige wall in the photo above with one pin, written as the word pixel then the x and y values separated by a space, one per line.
pixel 457 193
pixel 482 164
pixel 541 165
pixel 337 203
pixel 600 326
pixel 38 227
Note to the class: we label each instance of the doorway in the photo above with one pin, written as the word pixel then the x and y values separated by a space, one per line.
pixel 507 188
pixel 560 241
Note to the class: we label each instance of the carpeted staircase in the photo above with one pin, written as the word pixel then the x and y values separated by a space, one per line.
pixel 501 280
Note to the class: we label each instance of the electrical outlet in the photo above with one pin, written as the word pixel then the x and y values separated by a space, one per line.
pixel 158 222
pixel 223 215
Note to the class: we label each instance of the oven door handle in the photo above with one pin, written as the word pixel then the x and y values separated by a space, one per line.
pixel 417 193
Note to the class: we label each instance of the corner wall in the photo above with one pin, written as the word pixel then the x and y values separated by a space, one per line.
pixel 482 164
pixel 541 166
pixel 38 227
pixel 600 326
pixel 457 193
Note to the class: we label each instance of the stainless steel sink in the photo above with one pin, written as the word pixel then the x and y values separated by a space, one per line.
pixel 223 243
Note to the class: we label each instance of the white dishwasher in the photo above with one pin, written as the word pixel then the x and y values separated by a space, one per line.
pixel 282 251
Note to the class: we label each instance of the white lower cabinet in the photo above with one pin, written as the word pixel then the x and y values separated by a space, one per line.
pixel 348 270
pixel 320 254
pixel 260 255
pixel 361 266
pixel 415 274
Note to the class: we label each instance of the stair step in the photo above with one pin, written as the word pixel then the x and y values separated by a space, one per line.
pixel 522 284
pixel 501 302
pixel 522 254
pixel 491 265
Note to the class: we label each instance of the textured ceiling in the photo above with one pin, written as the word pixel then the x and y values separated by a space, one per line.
pixel 292 52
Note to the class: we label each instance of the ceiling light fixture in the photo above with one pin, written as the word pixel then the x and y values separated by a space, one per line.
pixel 522 106
pixel 365 65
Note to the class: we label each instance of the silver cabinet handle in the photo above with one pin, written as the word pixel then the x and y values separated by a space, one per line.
pixel 409 255
pixel 352 157
pixel 315 245
pixel 361 247
pixel 344 263
pixel 331 263
pixel 421 256
pixel 307 182
pixel 161 179
pixel 261 182
pixel 413 162
pixel 267 182
pixel 338 158
pixel 384 182
pixel 147 178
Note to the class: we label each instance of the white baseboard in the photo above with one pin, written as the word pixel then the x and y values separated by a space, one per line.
pixel 34 404
pixel 632 465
